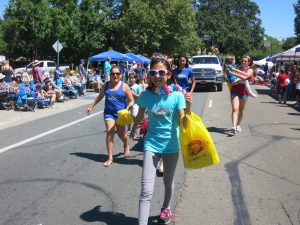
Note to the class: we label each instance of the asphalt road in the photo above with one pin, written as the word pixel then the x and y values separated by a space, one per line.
pixel 258 179
pixel 54 175
pixel 58 178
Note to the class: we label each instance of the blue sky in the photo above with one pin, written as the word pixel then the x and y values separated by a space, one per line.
pixel 277 16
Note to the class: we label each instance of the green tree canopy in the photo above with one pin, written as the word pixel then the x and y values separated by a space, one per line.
pixel 27 27
pixel 232 25
pixel 166 26
pixel 297 21
pixel 86 27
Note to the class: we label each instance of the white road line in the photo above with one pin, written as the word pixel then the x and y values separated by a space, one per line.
pixel 210 103
pixel 47 132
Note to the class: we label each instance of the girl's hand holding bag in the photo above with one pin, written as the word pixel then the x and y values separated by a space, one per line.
pixel 197 147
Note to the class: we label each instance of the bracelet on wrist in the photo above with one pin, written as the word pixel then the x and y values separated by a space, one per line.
pixel 187 112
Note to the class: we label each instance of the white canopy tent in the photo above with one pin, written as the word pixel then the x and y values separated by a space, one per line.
pixel 290 55
pixel 263 62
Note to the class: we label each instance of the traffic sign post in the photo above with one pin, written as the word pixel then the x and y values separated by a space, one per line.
pixel 57 47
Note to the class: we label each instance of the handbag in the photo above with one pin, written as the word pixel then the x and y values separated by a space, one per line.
pixel 197 147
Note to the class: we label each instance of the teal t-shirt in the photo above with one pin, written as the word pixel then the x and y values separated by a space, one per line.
pixel 231 78
pixel 137 89
pixel 163 128
pixel 107 67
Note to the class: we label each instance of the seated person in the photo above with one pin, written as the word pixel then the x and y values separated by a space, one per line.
pixel 46 76
pixel 96 80
pixel 14 87
pixel 54 87
pixel 67 81
pixel 6 93
pixel 76 83
pixel 4 87
pixel 49 91
pixel 42 98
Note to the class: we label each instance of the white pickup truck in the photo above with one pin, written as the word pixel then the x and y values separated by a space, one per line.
pixel 208 71
pixel 45 65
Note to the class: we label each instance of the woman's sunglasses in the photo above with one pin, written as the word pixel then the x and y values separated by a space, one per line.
pixel 118 73
pixel 161 73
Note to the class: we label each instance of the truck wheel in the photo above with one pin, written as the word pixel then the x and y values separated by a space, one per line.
pixel 214 87
pixel 220 87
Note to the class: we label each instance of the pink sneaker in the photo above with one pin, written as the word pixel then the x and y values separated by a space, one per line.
pixel 165 216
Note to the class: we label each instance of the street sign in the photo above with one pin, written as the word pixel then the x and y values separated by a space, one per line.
pixel 57 46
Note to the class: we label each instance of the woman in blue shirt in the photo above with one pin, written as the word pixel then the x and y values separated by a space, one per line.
pixel 115 92
pixel 183 73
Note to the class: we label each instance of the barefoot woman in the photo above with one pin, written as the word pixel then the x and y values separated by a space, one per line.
pixel 115 92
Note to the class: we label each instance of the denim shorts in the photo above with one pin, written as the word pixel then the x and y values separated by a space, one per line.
pixel 241 96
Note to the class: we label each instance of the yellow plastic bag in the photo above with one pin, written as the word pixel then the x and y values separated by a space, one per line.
pixel 197 147
pixel 124 118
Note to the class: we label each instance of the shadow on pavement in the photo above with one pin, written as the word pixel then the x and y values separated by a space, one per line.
pixel 263 91
pixel 220 130
pixel 139 146
pixel 241 212
pixel 118 158
pixel 294 114
pixel 111 218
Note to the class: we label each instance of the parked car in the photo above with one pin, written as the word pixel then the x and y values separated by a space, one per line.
pixel 45 65
pixel 208 71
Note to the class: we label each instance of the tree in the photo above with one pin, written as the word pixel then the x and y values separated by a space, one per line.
pixel 30 27
pixel 2 43
pixel 232 25
pixel 297 21
pixel 93 26
pixel 65 27
pixel 166 26
pixel 26 27
pixel 289 43
pixel 180 34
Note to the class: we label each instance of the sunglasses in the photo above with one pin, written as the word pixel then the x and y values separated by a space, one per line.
pixel 118 73
pixel 161 73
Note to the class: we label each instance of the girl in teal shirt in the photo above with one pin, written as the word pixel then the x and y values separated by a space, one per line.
pixel 165 108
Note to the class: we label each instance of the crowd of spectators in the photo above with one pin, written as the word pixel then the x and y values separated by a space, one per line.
pixel 283 78
pixel 23 91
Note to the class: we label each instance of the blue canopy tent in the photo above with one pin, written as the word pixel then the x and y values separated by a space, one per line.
pixel 135 57
pixel 145 60
pixel 114 55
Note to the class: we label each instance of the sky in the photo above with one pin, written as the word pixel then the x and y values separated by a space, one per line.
pixel 277 16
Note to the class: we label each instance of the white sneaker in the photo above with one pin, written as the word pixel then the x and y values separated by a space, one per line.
pixel 233 130
pixel 238 128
